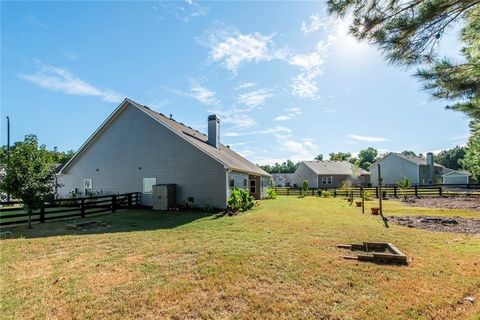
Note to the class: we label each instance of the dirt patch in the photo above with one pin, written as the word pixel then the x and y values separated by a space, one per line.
pixel 445 202
pixel 455 224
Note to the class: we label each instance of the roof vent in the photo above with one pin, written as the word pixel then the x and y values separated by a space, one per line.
pixel 170 116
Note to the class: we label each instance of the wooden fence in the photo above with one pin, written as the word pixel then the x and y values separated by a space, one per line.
pixel 12 212
pixel 416 191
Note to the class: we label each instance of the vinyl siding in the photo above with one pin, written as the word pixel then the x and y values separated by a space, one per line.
pixel 303 172
pixel 455 179
pixel 393 168
pixel 337 180
pixel 135 146
pixel 238 178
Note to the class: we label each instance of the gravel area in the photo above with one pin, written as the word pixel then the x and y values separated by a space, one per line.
pixel 455 224
pixel 472 203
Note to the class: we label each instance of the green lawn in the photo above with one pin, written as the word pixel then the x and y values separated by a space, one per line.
pixel 277 261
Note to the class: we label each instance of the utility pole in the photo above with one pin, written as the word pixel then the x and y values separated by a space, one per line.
pixel 8 151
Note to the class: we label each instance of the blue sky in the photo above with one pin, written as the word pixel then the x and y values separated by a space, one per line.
pixel 286 80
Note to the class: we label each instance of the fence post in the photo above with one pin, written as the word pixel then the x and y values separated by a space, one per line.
pixel 376 192
pixel 114 203
pixel 42 214
pixel 416 191
pixel 395 191
pixel 82 208
pixel 288 191
pixel 440 191
pixel 334 193
pixel 129 201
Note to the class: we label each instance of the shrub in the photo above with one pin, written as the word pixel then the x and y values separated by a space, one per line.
pixel 326 194
pixel 271 193
pixel 240 200
pixel 404 184
pixel 188 203
pixel 368 195
pixel 304 186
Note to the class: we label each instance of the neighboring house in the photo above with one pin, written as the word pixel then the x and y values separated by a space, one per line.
pixel 420 171
pixel 136 148
pixel 282 179
pixel 456 177
pixel 329 174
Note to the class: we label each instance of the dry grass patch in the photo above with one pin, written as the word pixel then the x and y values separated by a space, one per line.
pixel 278 261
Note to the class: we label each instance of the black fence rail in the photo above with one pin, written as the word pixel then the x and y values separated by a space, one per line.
pixel 12 212
pixel 417 191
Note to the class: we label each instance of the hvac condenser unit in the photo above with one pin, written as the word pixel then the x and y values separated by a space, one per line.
pixel 164 196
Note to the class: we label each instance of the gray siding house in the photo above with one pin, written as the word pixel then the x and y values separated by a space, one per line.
pixel 282 179
pixel 137 147
pixel 329 174
pixel 420 171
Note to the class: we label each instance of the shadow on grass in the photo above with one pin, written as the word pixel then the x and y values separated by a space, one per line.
pixel 121 221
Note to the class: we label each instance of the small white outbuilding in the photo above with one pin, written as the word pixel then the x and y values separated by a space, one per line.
pixel 456 177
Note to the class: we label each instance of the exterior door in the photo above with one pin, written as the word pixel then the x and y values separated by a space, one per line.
pixel 253 187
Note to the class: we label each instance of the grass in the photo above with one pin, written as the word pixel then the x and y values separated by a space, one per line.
pixel 277 261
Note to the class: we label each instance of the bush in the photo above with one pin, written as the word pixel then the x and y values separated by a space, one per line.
pixel 304 186
pixel 326 194
pixel 240 200
pixel 271 193
pixel 368 195
pixel 404 184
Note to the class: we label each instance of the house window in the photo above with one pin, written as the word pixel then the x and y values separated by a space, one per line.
pixel 148 185
pixel 231 183
pixel 253 186
pixel 245 182
pixel 87 186
pixel 327 180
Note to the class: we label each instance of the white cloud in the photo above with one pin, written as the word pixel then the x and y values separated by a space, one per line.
pixel 61 80
pixel 289 114
pixel 315 24
pixel 255 98
pixel 238 120
pixel 245 85
pixel 203 94
pixel 275 130
pixel 183 11
pixel 305 149
pixel 305 85
pixel 310 60
pixel 232 48
pixel 367 138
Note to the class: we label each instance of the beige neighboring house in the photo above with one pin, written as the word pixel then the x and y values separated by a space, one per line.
pixel 282 179
pixel 136 148
pixel 420 171
pixel 329 174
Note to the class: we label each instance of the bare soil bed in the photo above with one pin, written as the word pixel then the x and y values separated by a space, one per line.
pixel 472 203
pixel 455 224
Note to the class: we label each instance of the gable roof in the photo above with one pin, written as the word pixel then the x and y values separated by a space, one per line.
pixel 335 167
pixel 224 155
pixel 416 160
pixel 457 173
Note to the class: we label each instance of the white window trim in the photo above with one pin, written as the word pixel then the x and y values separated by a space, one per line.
pixel 325 180
pixel 84 185
pixel 152 182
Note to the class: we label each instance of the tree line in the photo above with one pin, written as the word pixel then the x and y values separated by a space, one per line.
pixel 454 158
